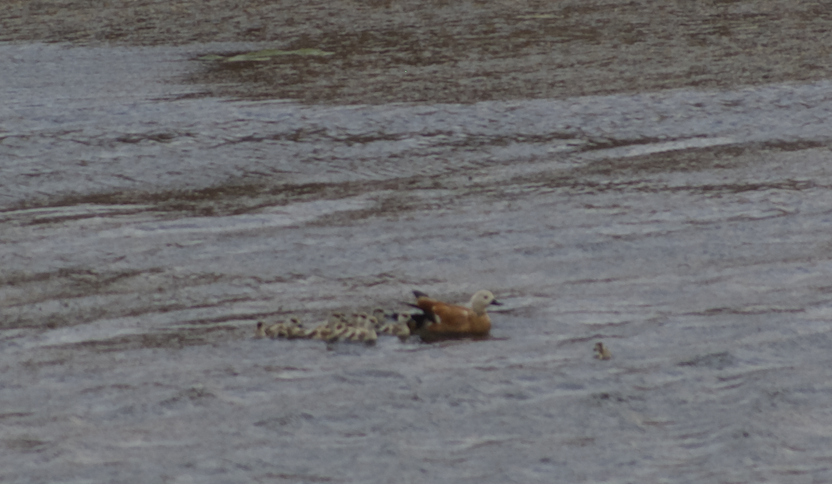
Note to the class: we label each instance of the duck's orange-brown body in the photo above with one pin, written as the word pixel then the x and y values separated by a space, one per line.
pixel 451 321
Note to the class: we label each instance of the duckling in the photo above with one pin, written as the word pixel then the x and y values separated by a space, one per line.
pixel 294 329
pixel 286 329
pixel 335 318
pixel 404 318
pixel 260 332
pixel 381 316
pixel 601 351
pixel 351 333
pixel 396 329
pixel 274 330
pixel 369 336
pixel 362 335
pixel 415 321
pixel 319 331
pixel 360 320
pixel 337 330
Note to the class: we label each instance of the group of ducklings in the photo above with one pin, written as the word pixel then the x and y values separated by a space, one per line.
pixel 358 327
pixel 361 328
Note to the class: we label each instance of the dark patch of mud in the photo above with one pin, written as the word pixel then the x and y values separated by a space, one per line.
pixel 639 173
pixel 161 340
pixel 717 361
pixel 65 295
pixel 232 198
pixel 453 52
pixel 690 160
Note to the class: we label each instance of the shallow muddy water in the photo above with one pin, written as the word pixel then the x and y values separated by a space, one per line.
pixel 146 226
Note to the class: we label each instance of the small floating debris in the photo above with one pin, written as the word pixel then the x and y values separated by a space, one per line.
pixel 264 55
pixel 601 351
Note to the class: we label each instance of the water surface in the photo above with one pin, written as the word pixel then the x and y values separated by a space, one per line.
pixel 144 232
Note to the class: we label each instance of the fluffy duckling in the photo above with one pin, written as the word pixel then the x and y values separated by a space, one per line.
pixel 351 333
pixel 335 318
pixel 400 328
pixel 260 332
pixel 295 330
pixel 336 331
pixel 290 329
pixel 601 351
pixel 371 338
pixel 450 321
pixel 404 318
pixel 396 329
pixel 381 316
pixel 324 331
pixel 360 320
pixel 276 330
pixel 363 335
pixel 320 331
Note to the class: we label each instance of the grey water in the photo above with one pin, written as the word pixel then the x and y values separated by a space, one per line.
pixel 145 231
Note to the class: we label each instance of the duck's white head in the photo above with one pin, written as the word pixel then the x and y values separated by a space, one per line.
pixel 482 299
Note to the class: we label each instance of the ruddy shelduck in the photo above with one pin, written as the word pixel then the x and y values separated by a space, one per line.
pixel 448 321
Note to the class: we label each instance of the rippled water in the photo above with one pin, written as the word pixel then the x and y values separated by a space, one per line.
pixel 143 234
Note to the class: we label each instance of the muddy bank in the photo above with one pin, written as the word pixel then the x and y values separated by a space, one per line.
pixel 451 52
